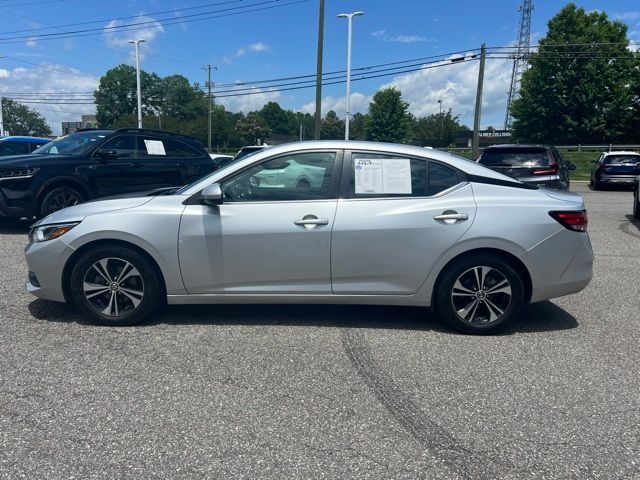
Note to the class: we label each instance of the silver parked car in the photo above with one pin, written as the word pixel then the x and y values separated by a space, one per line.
pixel 388 224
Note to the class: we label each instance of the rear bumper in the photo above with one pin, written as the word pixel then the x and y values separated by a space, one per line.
pixel 618 179
pixel 560 265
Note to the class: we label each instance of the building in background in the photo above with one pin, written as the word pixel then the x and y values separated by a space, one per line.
pixel 87 121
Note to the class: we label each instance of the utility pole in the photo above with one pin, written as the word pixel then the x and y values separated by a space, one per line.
pixel 478 113
pixel 208 68
pixel 318 114
pixel 1 119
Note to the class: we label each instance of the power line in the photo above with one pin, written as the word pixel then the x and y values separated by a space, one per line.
pixel 51 68
pixel 163 12
pixel 136 26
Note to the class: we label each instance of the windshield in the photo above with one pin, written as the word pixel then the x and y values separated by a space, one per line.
pixel 514 157
pixel 76 144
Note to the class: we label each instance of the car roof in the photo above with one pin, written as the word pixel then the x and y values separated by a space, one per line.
pixel 24 139
pixel 517 145
pixel 620 152
pixel 468 166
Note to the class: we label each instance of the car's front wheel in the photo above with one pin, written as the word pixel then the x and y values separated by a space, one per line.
pixel 116 286
pixel 58 198
pixel 480 294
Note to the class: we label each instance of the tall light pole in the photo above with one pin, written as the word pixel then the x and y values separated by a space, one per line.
pixel 349 17
pixel 137 44
pixel 208 68
pixel 1 117
pixel 440 104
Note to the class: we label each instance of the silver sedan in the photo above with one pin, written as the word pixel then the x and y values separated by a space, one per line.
pixel 386 224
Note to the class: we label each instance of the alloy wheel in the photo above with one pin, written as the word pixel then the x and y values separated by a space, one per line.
pixel 63 199
pixel 481 295
pixel 113 287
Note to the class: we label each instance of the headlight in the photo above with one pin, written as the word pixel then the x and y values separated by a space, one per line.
pixel 43 233
pixel 25 172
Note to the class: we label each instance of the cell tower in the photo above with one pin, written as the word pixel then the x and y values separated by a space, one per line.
pixel 520 57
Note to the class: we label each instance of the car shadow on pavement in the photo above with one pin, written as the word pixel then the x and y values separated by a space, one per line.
pixel 633 221
pixel 539 317
pixel 10 226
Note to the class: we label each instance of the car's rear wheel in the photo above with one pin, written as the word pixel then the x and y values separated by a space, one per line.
pixel 116 286
pixel 58 198
pixel 636 202
pixel 597 185
pixel 480 294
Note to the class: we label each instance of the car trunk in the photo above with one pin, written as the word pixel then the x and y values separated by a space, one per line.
pixel 519 162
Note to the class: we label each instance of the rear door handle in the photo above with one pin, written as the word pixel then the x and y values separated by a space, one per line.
pixel 450 217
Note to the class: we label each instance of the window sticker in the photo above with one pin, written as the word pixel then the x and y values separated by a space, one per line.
pixel 155 147
pixel 389 175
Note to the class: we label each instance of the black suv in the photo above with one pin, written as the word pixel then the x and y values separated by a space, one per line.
pixel 539 165
pixel 94 163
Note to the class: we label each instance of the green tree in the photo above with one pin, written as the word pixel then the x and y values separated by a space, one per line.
pixel 577 93
pixel 278 119
pixel 116 94
pixel 252 129
pixel 174 96
pixel 358 127
pixel 332 127
pixel 388 118
pixel 22 120
pixel 437 130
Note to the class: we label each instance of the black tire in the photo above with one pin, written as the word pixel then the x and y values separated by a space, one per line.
pixel 58 198
pixel 479 320
pixel 597 185
pixel 636 203
pixel 137 296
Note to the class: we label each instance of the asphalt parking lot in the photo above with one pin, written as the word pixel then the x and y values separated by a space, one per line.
pixel 338 392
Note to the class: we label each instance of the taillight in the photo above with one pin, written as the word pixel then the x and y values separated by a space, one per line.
pixel 552 170
pixel 573 220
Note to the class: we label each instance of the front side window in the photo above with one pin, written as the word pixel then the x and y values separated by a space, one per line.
pixel 123 145
pixel 300 176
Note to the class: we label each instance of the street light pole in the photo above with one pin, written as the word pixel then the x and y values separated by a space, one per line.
pixel 1 117
pixel 209 85
pixel 349 17
pixel 139 89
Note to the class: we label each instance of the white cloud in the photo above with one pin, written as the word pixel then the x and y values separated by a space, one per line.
pixel 359 104
pixel 258 47
pixel 454 84
pixel 386 37
pixel 146 32
pixel 33 80
pixel 626 15
pixel 32 42
pixel 248 103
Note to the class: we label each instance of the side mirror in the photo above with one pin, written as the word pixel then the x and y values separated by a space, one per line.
pixel 571 166
pixel 212 194
pixel 107 154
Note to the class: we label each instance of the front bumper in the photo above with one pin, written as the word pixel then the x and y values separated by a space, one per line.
pixel 16 199
pixel 46 261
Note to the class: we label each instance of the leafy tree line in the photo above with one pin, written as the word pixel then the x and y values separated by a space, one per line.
pixel 172 103
pixel 577 93
pixel 21 120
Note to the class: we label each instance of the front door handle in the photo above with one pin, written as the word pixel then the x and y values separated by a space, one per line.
pixel 450 217
pixel 311 221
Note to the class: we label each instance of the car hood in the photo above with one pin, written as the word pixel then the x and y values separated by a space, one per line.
pixel 78 213
pixel 34 160
pixel 563 195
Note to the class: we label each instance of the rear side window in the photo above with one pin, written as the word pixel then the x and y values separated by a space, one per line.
pixel 440 178
pixel 383 176
pixel 156 147
pixel 124 146
pixel 515 157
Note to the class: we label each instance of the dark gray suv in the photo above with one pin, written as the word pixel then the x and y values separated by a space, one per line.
pixel 539 165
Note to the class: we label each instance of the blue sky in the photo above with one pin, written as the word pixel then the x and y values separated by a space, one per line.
pixel 275 42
